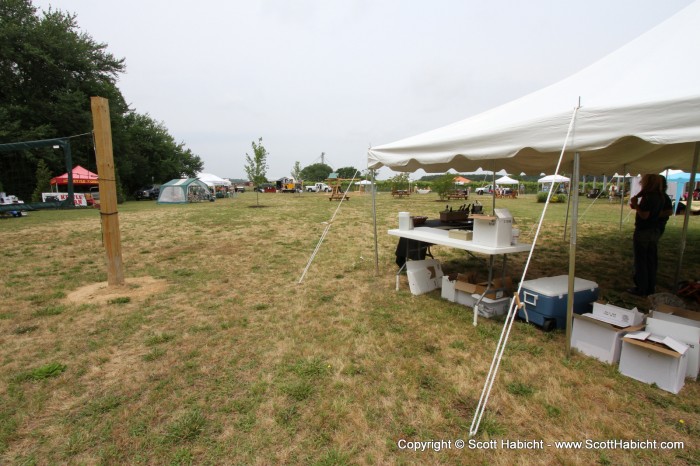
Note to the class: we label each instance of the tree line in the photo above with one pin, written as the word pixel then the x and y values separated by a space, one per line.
pixel 49 69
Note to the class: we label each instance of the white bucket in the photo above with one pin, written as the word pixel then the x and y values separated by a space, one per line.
pixel 405 221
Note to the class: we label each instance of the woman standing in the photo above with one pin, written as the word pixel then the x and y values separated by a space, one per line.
pixel 648 203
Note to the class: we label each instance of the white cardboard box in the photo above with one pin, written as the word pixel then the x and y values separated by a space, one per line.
pixel 617 315
pixel 448 290
pixel 450 293
pixel 654 362
pixel 424 276
pixel 596 338
pixel 683 330
pixel 493 231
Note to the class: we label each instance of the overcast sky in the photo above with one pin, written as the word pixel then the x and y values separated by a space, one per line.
pixel 336 76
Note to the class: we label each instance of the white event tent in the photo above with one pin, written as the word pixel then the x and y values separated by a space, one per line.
pixel 506 180
pixel 212 180
pixel 635 110
pixel 638 113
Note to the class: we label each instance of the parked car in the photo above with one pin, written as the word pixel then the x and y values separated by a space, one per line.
pixel 148 192
pixel 239 189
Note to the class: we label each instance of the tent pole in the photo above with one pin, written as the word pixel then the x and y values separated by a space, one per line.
pixel 572 253
pixel 686 218
pixel 374 215
pixel 568 205
pixel 65 145
pixel 493 185
pixel 622 193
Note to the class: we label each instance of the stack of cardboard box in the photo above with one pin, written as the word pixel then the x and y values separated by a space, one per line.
pixel 466 290
pixel 663 351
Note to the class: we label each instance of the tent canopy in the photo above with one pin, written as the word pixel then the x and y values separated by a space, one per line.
pixel 638 113
pixel 461 180
pixel 554 179
pixel 212 180
pixel 80 176
pixel 506 180
pixel 180 191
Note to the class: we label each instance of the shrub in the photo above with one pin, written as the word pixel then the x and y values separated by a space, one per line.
pixel 556 198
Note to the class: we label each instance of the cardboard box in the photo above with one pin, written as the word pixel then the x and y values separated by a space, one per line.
pixel 598 339
pixel 493 231
pixel 464 235
pixel 617 315
pixel 491 308
pixel 677 311
pixel 500 287
pixel 651 359
pixel 424 276
pixel 448 290
pixel 450 293
pixel 683 329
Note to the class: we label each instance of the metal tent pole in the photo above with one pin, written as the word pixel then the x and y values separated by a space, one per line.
pixel 572 255
pixel 622 193
pixel 374 216
pixel 686 218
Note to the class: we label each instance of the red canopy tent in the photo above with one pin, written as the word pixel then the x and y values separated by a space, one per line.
pixel 80 176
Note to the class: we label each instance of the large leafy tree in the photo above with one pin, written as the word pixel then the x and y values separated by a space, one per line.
pixel 316 172
pixel 49 69
pixel 348 172
pixel 150 154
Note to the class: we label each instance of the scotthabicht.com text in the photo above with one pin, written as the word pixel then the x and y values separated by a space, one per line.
pixel 505 444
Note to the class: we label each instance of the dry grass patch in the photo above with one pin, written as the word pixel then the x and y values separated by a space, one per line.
pixel 214 353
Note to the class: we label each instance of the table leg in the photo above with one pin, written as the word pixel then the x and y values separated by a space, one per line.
pixel 398 275
pixel 488 288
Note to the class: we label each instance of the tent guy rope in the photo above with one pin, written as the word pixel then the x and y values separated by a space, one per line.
pixel 326 230
pixel 512 310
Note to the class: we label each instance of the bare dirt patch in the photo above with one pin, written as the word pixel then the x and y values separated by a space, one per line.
pixel 137 289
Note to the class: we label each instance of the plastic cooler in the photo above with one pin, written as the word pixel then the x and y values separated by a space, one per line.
pixel 544 300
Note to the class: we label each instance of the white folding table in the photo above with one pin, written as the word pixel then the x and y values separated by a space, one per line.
pixel 441 237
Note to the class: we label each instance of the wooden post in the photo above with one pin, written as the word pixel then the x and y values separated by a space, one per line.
pixel 108 190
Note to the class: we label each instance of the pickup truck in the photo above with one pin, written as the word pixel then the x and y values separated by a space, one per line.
pixel 484 189
pixel 314 188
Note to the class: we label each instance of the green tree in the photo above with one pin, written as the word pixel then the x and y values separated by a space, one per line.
pixel 400 181
pixel 348 172
pixel 296 171
pixel 256 165
pixel 49 69
pixel 43 181
pixel 316 172
pixel 150 154
pixel 443 185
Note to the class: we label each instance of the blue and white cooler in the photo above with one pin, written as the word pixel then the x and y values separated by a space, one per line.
pixel 544 300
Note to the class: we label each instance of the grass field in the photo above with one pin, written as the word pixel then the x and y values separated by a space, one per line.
pixel 214 354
